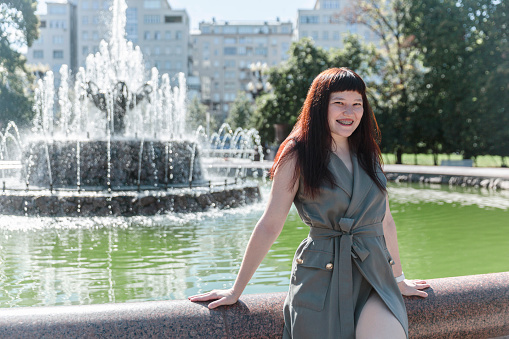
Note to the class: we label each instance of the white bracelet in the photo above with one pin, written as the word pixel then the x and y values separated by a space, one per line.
pixel 400 278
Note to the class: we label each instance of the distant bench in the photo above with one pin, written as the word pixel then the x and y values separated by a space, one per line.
pixel 464 163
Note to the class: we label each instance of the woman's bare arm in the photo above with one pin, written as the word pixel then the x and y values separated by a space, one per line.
pixel 264 234
pixel 407 287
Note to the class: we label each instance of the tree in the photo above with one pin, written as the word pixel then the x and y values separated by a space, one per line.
pixel 291 80
pixel 18 29
pixel 399 70
pixel 197 116
pixel 240 112
pixel 465 51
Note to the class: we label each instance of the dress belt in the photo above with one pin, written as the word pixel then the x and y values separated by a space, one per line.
pixel 347 243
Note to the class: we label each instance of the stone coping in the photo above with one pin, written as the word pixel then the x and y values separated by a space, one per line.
pixel 460 307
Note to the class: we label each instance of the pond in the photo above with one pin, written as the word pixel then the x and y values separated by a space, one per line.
pixel 443 231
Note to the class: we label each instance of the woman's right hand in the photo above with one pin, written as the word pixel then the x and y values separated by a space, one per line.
pixel 221 297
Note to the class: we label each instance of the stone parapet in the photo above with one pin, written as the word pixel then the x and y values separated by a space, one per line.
pixel 461 307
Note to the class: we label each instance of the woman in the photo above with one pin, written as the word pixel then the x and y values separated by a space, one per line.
pixel 347 279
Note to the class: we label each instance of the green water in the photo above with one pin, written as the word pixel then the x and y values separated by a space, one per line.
pixel 61 261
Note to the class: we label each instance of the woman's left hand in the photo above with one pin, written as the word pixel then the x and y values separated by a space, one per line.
pixel 413 287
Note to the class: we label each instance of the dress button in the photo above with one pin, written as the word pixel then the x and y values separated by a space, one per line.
pixel 329 266
pixel 391 262
pixel 299 261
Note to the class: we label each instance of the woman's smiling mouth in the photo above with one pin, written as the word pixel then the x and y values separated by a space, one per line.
pixel 345 122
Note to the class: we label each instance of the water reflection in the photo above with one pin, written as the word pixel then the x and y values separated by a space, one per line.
pixel 58 261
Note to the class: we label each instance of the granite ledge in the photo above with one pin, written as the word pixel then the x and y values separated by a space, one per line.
pixel 460 307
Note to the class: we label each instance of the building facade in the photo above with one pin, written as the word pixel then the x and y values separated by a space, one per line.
pixel 57 40
pixel 327 24
pixel 71 30
pixel 223 53
pixel 161 32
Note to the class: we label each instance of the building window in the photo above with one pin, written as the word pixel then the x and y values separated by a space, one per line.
pixel 335 35
pixel 131 24
pixel 167 35
pixel 146 35
pixel 95 20
pixel 325 35
pixel 43 24
pixel 152 19
pixel 58 39
pixel 261 51
pixel 57 24
pixel 84 20
pixel 106 5
pixel 84 5
pixel 178 35
pixel 309 19
pixel 205 30
pixel 157 50
pixel 167 65
pixel 84 35
pixel 95 4
pixel 157 35
pixel 38 54
pixel 230 41
pixel 84 50
pixel 178 50
pixel 230 30
pixel 230 51
pixel 246 30
pixel 95 36
pixel 285 29
pixel 57 9
pixel 229 63
pixel 152 4
pixel 178 65
pixel 95 49
pixel 167 50
pixel 173 19
pixel 314 35
pixel 242 50
pixel 58 54
pixel 330 4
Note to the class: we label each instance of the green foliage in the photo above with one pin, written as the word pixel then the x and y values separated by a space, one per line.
pixel 394 96
pixel 291 80
pixel 197 116
pixel 240 112
pixel 465 51
pixel 18 28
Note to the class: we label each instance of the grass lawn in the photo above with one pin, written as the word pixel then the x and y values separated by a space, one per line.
pixel 427 159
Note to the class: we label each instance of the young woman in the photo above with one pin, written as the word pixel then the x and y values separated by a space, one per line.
pixel 347 280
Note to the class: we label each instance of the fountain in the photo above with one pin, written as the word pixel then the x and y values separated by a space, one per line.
pixel 118 144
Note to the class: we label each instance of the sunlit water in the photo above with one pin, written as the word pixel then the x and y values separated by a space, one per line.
pixel 61 261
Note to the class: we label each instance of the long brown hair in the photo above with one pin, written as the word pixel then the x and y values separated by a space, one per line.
pixel 312 136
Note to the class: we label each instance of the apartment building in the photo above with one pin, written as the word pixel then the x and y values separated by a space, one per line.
pixel 223 52
pixel 161 32
pixel 56 44
pixel 327 24
pixel 71 30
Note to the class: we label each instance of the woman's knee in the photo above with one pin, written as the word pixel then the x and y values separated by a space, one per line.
pixel 377 321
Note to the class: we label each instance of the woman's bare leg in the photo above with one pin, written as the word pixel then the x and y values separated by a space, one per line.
pixel 377 321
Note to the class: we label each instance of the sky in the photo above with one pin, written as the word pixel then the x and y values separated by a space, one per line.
pixel 205 10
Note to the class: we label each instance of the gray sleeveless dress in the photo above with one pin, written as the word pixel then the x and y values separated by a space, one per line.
pixel 342 260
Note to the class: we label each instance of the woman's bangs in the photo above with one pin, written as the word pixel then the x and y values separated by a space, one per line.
pixel 346 80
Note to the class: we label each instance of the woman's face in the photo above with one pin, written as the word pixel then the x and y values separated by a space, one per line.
pixel 344 113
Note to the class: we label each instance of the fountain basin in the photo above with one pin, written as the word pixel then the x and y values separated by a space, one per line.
pixel 129 203
pixel 132 162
